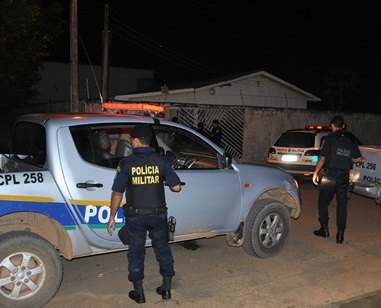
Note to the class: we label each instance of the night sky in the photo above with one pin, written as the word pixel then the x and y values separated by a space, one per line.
pixel 298 41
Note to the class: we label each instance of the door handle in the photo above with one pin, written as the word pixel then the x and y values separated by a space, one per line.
pixel 89 185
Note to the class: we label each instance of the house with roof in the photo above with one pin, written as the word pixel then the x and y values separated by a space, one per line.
pixel 255 89
pixel 231 100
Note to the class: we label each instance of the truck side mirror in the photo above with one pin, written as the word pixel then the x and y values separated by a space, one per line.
pixel 227 161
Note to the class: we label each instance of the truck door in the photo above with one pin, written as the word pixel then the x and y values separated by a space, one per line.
pixel 210 200
pixel 88 160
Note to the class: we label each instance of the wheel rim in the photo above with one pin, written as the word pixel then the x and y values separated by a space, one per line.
pixel 22 275
pixel 271 230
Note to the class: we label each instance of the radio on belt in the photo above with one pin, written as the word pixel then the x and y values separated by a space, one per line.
pixel 171 227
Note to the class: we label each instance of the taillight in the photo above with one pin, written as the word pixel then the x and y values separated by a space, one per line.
pixel 314 154
pixel 272 151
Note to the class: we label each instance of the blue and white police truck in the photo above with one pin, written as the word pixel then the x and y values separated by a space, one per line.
pixel 55 189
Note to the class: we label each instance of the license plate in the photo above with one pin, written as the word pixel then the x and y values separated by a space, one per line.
pixel 289 157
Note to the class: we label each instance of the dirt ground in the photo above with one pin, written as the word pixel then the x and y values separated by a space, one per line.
pixel 310 272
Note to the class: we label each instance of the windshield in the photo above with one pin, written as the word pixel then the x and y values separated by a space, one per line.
pixel 296 140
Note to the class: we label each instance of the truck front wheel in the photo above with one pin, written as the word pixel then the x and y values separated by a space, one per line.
pixel 30 270
pixel 266 229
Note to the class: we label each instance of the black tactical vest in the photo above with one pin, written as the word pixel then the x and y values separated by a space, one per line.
pixel 341 153
pixel 145 188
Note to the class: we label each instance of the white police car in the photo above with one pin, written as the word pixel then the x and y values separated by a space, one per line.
pixel 297 150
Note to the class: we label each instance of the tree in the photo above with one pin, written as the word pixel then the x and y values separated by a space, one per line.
pixel 340 83
pixel 27 30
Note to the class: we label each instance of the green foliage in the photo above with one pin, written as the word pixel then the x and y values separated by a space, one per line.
pixel 27 30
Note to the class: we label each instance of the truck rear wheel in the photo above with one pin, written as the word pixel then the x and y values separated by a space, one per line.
pixel 30 270
pixel 266 229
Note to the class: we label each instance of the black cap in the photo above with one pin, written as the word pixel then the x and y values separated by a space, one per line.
pixel 141 131
pixel 338 121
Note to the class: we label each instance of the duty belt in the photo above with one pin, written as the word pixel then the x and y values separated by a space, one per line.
pixel 131 211
pixel 334 171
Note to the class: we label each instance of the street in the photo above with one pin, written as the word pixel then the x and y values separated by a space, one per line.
pixel 310 272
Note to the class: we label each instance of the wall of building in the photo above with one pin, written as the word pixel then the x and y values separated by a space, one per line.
pixel 263 126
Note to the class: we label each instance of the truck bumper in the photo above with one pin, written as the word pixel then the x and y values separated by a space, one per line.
pixel 371 191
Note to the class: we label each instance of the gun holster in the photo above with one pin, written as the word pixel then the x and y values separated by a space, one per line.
pixel 124 236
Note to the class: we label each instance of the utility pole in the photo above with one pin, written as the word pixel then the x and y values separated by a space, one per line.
pixel 105 59
pixel 74 101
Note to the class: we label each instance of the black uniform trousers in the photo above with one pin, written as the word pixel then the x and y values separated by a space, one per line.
pixel 157 228
pixel 334 182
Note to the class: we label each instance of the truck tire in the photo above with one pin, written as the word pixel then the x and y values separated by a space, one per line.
pixel 266 229
pixel 30 270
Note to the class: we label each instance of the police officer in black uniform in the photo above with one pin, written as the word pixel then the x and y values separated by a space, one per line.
pixel 142 176
pixel 336 163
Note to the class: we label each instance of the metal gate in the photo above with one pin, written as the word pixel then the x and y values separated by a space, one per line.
pixel 231 122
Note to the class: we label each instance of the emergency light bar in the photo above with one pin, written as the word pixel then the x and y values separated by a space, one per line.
pixel 132 106
pixel 320 127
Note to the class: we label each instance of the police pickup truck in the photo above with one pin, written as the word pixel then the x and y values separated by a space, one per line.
pixel 55 189
pixel 366 175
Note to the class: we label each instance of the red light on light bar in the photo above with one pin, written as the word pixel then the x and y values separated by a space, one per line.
pixel 133 106
pixel 315 127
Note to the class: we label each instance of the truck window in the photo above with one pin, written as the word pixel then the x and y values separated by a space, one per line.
pixel 184 149
pixel 107 145
pixel 29 143
pixel 102 145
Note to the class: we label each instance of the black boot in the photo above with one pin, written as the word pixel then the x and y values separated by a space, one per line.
pixel 323 231
pixel 165 289
pixel 138 293
pixel 340 236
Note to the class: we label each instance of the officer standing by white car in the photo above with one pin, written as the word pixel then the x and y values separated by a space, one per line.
pixel 337 156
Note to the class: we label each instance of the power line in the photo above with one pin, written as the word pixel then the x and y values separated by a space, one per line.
pixel 133 36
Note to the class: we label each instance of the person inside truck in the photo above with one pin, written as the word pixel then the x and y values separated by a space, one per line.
pixel 102 147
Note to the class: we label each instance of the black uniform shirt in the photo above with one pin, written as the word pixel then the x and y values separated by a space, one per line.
pixel 329 141
pixel 142 176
